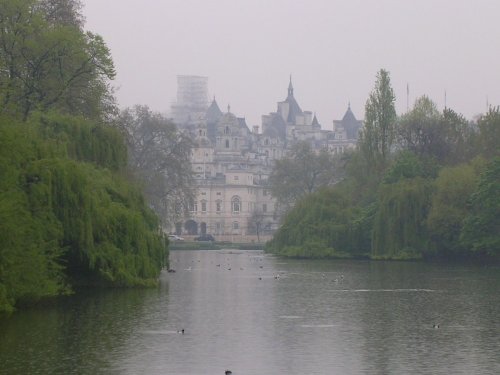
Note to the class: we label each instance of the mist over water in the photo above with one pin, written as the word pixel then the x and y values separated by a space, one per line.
pixel 256 314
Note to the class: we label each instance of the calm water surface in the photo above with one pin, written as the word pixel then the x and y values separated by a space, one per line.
pixel 316 317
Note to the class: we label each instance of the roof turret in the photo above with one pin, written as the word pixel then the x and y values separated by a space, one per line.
pixel 315 122
pixel 290 87
pixel 293 106
pixel 349 116
pixel 351 124
pixel 213 112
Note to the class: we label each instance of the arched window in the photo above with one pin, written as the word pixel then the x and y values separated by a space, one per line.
pixel 236 205
pixel 218 206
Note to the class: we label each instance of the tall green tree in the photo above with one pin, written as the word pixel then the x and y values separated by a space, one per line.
pixel 418 130
pixel 63 12
pixel 446 136
pixel 47 62
pixel 458 144
pixel 378 133
pixel 489 133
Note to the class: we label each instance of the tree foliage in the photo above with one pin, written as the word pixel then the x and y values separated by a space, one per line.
pixel 302 172
pixel 452 190
pixel 321 225
pixel 159 154
pixel 399 225
pixel 378 133
pixel 67 216
pixel 489 133
pixel 47 62
pixel 482 227
pixel 62 12
pixel 433 193
pixel 446 136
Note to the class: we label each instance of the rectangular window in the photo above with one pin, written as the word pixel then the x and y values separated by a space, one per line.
pixel 218 206
pixel 264 207
pixel 204 206
pixel 236 225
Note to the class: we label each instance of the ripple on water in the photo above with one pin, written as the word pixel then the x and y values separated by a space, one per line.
pixel 160 332
pixel 317 325
pixel 383 290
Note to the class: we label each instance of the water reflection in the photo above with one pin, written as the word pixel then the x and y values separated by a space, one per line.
pixel 317 317
pixel 77 335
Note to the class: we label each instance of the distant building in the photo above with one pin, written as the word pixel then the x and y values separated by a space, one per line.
pixel 192 99
pixel 349 124
pixel 231 164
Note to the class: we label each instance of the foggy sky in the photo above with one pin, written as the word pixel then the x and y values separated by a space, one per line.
pixel 332 48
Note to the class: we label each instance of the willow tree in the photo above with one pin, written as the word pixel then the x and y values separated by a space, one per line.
pixel 450 206
pixel 481 230
pixel 399 229
pixel 403 200
pixel 378 133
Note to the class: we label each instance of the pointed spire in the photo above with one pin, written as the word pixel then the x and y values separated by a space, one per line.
pixel 290 87
pixel 228 108
pixel 315 120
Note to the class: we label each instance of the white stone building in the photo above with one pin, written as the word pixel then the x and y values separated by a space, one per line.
pixel 231 165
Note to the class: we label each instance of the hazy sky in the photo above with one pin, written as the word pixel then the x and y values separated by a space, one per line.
pixel 332 48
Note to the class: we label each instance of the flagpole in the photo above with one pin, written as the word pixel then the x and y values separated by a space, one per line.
pixel 407 97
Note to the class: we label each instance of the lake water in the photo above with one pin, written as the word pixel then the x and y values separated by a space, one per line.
pixel 256 314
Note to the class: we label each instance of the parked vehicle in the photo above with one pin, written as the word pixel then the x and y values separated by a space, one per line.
pixel 174 237
pixel 205 237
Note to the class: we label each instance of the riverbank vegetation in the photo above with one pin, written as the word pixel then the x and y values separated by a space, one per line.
pixel 70 213
pixel 424 185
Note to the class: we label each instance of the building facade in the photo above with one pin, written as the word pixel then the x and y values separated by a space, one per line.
pixel 232 164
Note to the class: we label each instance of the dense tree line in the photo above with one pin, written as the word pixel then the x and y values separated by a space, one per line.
pixel 425 184
pixel 69 213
